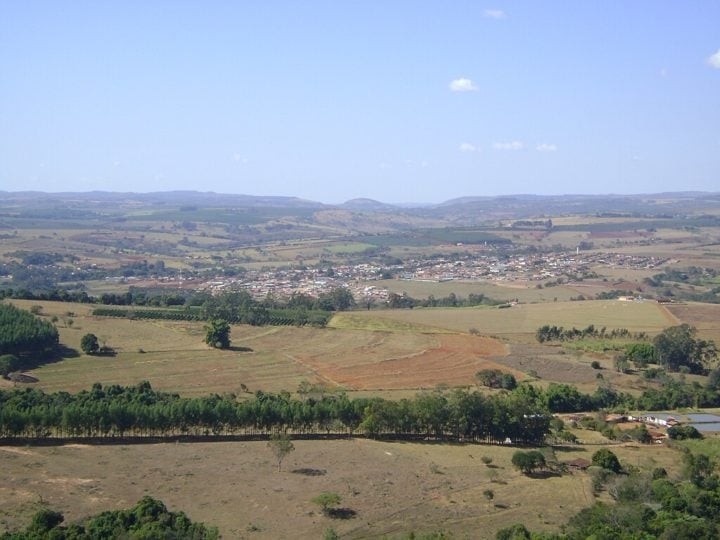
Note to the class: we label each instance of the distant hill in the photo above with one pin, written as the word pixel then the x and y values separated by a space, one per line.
pixel 198 198
pixel 367 205
pixel 462 211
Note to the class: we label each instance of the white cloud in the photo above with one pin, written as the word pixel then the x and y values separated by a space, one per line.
pixel 238 158
pixel 495 13
pixel 514 145
pixel 714 60
pixel 467 147
pixel 462 85
pixel 546 147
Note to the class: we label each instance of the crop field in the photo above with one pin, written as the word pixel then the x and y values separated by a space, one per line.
pixel 172 356
pixel 392 488
pixel 522 321
pixel 362 351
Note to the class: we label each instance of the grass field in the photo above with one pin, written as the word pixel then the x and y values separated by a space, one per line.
pixel 522 320
pixel 525 292
pixel 392 487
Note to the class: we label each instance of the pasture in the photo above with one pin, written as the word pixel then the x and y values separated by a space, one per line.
pixel 173 357
pixel 522 321
pixel 393 488
pixel 392 353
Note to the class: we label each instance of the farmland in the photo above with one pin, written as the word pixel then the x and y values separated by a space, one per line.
pixel 539 273
pixel 388 351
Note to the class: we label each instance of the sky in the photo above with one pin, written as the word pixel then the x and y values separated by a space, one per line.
pixel 397 101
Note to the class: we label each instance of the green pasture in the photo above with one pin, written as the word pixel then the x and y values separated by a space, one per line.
pixel 709 446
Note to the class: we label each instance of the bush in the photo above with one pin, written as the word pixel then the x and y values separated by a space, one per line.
pixel 8 364
pixel 607 460
pixel 680 433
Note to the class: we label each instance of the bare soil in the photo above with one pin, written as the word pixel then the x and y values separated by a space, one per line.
pixel 453 361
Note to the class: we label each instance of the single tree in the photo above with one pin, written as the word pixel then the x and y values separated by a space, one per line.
pixel 327 501
pixel 89 344
pixel 281 446
pixel 527 462
pixel 607 460
pixel 218 334
pixel 677 346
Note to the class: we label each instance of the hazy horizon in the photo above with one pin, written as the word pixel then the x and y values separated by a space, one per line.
pixel 403 103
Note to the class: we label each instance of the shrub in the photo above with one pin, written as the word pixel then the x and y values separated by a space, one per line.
pixel 607 460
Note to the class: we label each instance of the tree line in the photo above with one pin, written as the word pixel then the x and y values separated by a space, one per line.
pixel 403 301
pixel 522 415
pixel 547 333
pixel 140 411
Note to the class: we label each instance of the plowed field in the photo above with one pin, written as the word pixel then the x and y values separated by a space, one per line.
pixel 453 361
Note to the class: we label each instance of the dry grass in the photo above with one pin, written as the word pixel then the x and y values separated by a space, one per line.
pixel 393 487
pixel 525 319
pixel 704 317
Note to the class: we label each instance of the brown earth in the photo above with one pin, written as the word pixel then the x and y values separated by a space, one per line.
pixel 704 317
pixel 453 361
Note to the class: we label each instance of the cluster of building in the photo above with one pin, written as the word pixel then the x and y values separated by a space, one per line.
pixel 493 268
pixel 490 267
pixel 538 267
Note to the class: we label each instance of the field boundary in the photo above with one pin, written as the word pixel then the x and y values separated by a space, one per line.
pixel 249 437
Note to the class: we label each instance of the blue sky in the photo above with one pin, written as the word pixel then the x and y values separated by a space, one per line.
pixel 397 101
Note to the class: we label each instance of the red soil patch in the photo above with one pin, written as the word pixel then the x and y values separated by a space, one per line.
pixel 454 361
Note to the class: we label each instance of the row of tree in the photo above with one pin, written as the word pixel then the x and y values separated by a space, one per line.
pixel 138 411
pixel 403 301
pixel 522 414
pixel 555 333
